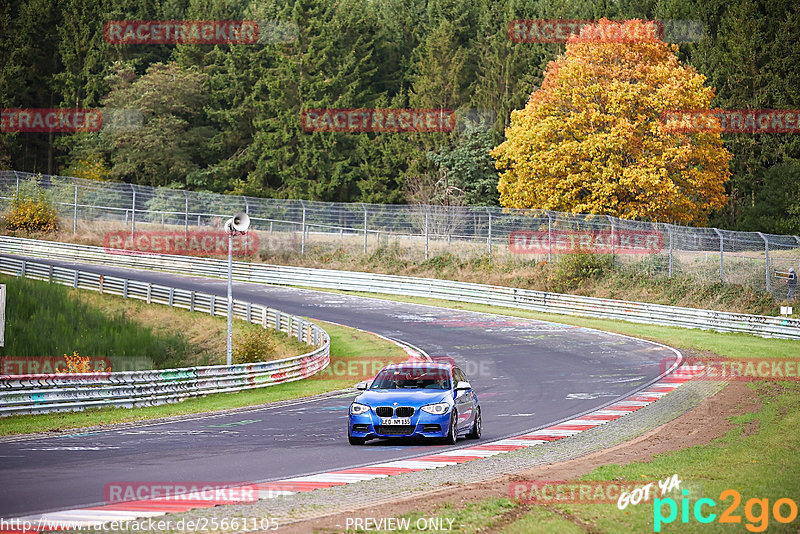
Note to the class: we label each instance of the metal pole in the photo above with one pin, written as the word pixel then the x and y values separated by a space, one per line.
pixel 17 195
pixel 426 232
pixel 549 238
pixel 186 215
pixel 766 258
pixel 613 239
pixel 228 348
pixel 669 227
pixel 75 211
pixel 303 230
pixel 489 238
pixel 246 206
pixel 133 212
pixel 363 207
pixel 721 261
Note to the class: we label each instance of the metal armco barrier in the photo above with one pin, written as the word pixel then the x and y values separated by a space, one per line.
pixel 21 394
pixel 639 312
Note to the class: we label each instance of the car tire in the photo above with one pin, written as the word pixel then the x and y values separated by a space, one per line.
pixel 356 441
pixel 475 433
pixel 452 432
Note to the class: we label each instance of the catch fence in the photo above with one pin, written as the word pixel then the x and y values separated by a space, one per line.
pixel 754 259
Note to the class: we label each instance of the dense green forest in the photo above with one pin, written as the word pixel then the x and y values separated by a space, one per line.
pixel 226 118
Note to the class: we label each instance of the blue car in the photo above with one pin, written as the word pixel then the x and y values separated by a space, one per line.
pixel 415 400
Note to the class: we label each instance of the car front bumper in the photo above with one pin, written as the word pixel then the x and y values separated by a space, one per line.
pixel 423 425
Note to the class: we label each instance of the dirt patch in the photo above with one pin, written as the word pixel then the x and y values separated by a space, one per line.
pixel 699 426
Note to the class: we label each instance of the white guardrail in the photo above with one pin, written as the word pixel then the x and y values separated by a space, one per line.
pixel 779 327
pixel 25 394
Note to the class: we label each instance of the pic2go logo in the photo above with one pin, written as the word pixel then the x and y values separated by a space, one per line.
pixel 757 521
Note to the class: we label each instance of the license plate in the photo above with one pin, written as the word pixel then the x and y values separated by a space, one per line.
pixel 386 421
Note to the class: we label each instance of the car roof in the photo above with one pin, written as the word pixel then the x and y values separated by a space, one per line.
pixel 420 365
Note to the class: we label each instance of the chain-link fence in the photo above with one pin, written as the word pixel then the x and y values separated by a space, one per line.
pixel 759 260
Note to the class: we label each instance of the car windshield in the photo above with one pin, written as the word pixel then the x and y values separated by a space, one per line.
pixel 412 378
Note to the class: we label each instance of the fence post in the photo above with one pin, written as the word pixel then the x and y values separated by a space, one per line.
pixel 549 238
pixel 721 254
pixel 75 211
pixel 363 207
pixel 613 239
pixel 426 232
pixel 303 230
pixel 489 238
pixel 766 258
pixel 246 205
pixel 133 212
pixel 669 227
pixel 186 214
pixel 16 197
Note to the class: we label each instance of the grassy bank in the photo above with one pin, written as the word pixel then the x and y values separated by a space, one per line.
pixel 125 330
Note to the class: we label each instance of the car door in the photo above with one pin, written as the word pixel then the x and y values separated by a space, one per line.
pixel 463 400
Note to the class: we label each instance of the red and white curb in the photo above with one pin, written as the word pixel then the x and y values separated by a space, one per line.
pixel 144 509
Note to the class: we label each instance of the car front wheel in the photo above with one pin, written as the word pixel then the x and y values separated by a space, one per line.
pixel 356 441
pixel 452 433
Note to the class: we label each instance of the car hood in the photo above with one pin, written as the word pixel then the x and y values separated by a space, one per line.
pixel 404 397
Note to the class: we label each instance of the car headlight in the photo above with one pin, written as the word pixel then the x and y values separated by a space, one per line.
pixel 436 409
pixel 358 409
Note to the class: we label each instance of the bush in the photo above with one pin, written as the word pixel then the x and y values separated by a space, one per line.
pixel 254 344
pixel 32 214
pixel 573 269
pixel 654 265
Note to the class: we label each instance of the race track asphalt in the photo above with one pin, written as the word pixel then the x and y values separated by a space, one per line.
pixel 527 374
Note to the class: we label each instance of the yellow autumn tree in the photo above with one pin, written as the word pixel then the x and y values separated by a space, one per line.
pixel 590 140
pixel 90 167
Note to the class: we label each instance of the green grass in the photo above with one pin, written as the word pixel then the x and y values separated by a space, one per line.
pixel 34 308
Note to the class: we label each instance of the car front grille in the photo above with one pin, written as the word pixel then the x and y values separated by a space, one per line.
pixel 388 411
pixel 404 411
pixel 394 429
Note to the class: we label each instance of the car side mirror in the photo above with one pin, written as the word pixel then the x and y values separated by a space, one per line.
pixel 363 385
pixel 463 386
